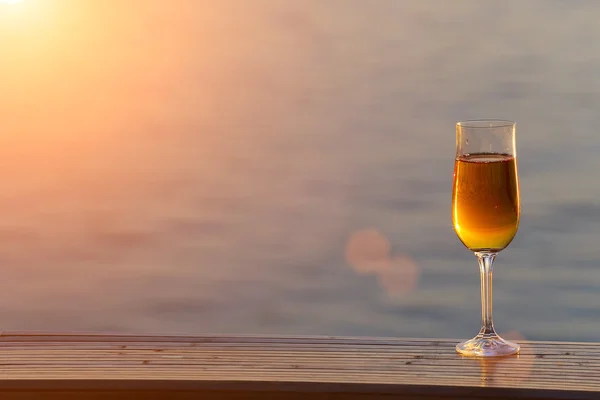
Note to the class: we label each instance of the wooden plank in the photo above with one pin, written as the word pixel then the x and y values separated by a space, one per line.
pixel 97 366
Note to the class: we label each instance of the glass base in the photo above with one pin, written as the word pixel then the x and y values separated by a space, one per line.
pixel 487 346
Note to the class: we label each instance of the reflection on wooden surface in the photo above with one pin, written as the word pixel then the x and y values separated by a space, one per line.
pixel 508 370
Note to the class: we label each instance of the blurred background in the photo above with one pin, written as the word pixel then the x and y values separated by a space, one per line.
pixel 267 166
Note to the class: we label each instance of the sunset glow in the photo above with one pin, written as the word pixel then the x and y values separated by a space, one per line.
pixel 286 166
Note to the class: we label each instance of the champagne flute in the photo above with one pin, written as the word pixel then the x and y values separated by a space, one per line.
pixel 485 212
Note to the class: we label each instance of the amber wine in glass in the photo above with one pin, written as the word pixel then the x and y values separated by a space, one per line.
pixel 486 212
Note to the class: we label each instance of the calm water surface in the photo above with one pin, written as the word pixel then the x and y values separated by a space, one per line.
pixel 285 167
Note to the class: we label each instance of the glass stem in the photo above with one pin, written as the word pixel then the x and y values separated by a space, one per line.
pixel 486 260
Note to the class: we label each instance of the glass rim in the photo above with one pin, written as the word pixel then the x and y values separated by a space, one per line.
pixel 486 123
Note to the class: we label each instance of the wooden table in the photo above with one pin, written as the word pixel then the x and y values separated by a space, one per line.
pixel 53 366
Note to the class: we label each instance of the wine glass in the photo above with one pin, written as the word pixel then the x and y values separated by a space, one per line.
pixel 485 212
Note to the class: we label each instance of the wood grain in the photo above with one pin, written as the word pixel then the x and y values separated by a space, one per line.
pixel 65 366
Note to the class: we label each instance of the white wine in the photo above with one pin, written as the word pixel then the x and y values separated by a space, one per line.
pixel 485 200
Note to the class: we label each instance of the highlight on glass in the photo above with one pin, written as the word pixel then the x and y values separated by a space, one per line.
pixel 485 213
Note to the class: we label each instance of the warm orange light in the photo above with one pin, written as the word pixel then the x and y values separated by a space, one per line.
pixel 10 1
pixel 368 251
